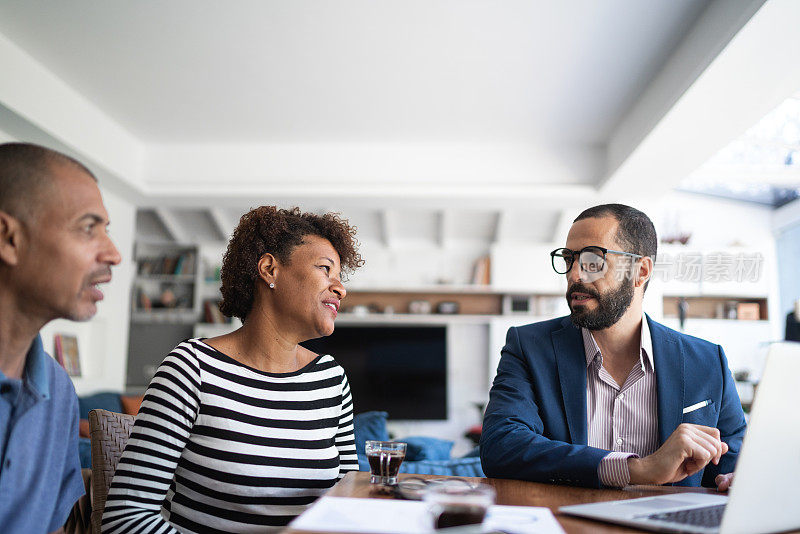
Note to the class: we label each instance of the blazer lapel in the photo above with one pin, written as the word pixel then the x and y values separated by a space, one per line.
pixel 669 367
pixel 571 362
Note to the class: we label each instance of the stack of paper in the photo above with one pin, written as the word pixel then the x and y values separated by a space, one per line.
pixel 383 516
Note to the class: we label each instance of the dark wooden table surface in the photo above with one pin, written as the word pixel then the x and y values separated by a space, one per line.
pixel 520 493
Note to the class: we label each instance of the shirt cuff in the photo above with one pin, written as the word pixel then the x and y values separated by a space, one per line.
pixel 613 469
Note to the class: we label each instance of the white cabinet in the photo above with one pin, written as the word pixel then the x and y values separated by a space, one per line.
pixel 525 268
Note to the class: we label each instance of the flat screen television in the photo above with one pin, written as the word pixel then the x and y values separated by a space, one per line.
pixel 401 370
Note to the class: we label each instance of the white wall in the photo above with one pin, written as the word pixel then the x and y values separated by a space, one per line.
pixel 416 264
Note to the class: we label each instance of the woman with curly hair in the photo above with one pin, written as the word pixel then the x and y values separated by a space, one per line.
pixel 241 432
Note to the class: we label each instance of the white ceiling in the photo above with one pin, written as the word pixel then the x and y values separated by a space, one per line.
pixel 356 71
pixel 448 119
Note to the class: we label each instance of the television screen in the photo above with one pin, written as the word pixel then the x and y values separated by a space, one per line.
pixel 401 370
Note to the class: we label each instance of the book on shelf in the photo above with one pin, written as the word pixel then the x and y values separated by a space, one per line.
pixel 143 301
pixel 481 273
pixel 212 314
pixel 748 311
pixel 174 264
pixel 67 353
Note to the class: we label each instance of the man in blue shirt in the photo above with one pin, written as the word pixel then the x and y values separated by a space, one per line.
pixel 54 252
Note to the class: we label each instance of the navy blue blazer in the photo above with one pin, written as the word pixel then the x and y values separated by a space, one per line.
pixel 535 423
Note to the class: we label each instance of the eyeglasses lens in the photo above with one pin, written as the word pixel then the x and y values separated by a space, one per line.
pixel 591 262
pixel 562 261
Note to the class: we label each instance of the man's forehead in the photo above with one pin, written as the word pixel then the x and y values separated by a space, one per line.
pixel 601 231
pixel 74 194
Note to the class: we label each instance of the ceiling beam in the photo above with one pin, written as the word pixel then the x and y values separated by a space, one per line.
pixel 444 222
pixel 221 223
pixel 379 196
pixel 562 226
pixel 383 227
pixel 500 221
pixel 786 217
pixel 37 106
pixel 172 225
pixel 685 115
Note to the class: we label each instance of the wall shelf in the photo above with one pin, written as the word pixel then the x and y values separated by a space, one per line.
pixel 164 316
pixel 175 278
pixel 719 307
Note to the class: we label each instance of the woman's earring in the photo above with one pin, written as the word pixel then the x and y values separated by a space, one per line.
pixel 271 285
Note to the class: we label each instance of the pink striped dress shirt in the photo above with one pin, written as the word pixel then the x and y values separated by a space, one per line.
pixel 622 419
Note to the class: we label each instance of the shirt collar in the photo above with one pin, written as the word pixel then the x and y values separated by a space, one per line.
pixel 592 350
pixel 36 368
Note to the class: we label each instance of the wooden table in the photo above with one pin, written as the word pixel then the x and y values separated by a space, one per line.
pixel 517 492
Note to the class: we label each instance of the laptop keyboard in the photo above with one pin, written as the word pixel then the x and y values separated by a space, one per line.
pixel 708 516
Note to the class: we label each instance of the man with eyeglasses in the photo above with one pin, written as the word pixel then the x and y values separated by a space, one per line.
pixel 606 396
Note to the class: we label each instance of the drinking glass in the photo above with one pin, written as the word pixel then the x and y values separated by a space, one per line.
pixel 384 459
pixel 456 504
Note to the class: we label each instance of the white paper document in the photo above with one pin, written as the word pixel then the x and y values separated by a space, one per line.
pixel 383 516
pixel 521 520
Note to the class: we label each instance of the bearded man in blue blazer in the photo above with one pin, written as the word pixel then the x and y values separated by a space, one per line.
pixel 606 396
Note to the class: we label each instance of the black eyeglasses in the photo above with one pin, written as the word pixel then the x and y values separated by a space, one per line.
pixel 592 259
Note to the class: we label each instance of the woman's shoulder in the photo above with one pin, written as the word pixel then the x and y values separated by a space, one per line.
pixel 325 363
pixel 188 352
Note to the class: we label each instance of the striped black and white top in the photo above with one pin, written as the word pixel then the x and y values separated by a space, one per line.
pixel 221 447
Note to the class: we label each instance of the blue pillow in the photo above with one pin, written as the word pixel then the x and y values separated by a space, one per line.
pixel 474 453
pixel 459 467
pixel 426 448
pixel 368 426
pixel 85 452
pixel 104 401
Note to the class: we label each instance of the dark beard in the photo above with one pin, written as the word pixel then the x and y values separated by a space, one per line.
pixel 611 306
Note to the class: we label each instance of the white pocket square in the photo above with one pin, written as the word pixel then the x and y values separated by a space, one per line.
pixel 697 406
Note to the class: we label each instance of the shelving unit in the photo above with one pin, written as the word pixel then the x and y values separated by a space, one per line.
pixel 723 308
pixel 165 285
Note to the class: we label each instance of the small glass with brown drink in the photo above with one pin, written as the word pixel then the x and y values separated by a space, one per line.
pixel 384 459
pixel 457 503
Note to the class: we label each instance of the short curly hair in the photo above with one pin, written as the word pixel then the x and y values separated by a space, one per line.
pixel 268 229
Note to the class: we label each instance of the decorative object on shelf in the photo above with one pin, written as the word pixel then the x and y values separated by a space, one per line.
pixel 519 304
pixel 673 231
pixel 678 238
pixel 683 311
pixel 67 353
pixel 793 323
pixel 447 308
pixel 167 299
pixel 419 307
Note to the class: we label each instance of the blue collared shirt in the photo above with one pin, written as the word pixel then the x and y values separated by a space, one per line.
pixel 40 473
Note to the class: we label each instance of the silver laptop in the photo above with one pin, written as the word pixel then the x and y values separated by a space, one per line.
pixel 765 496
